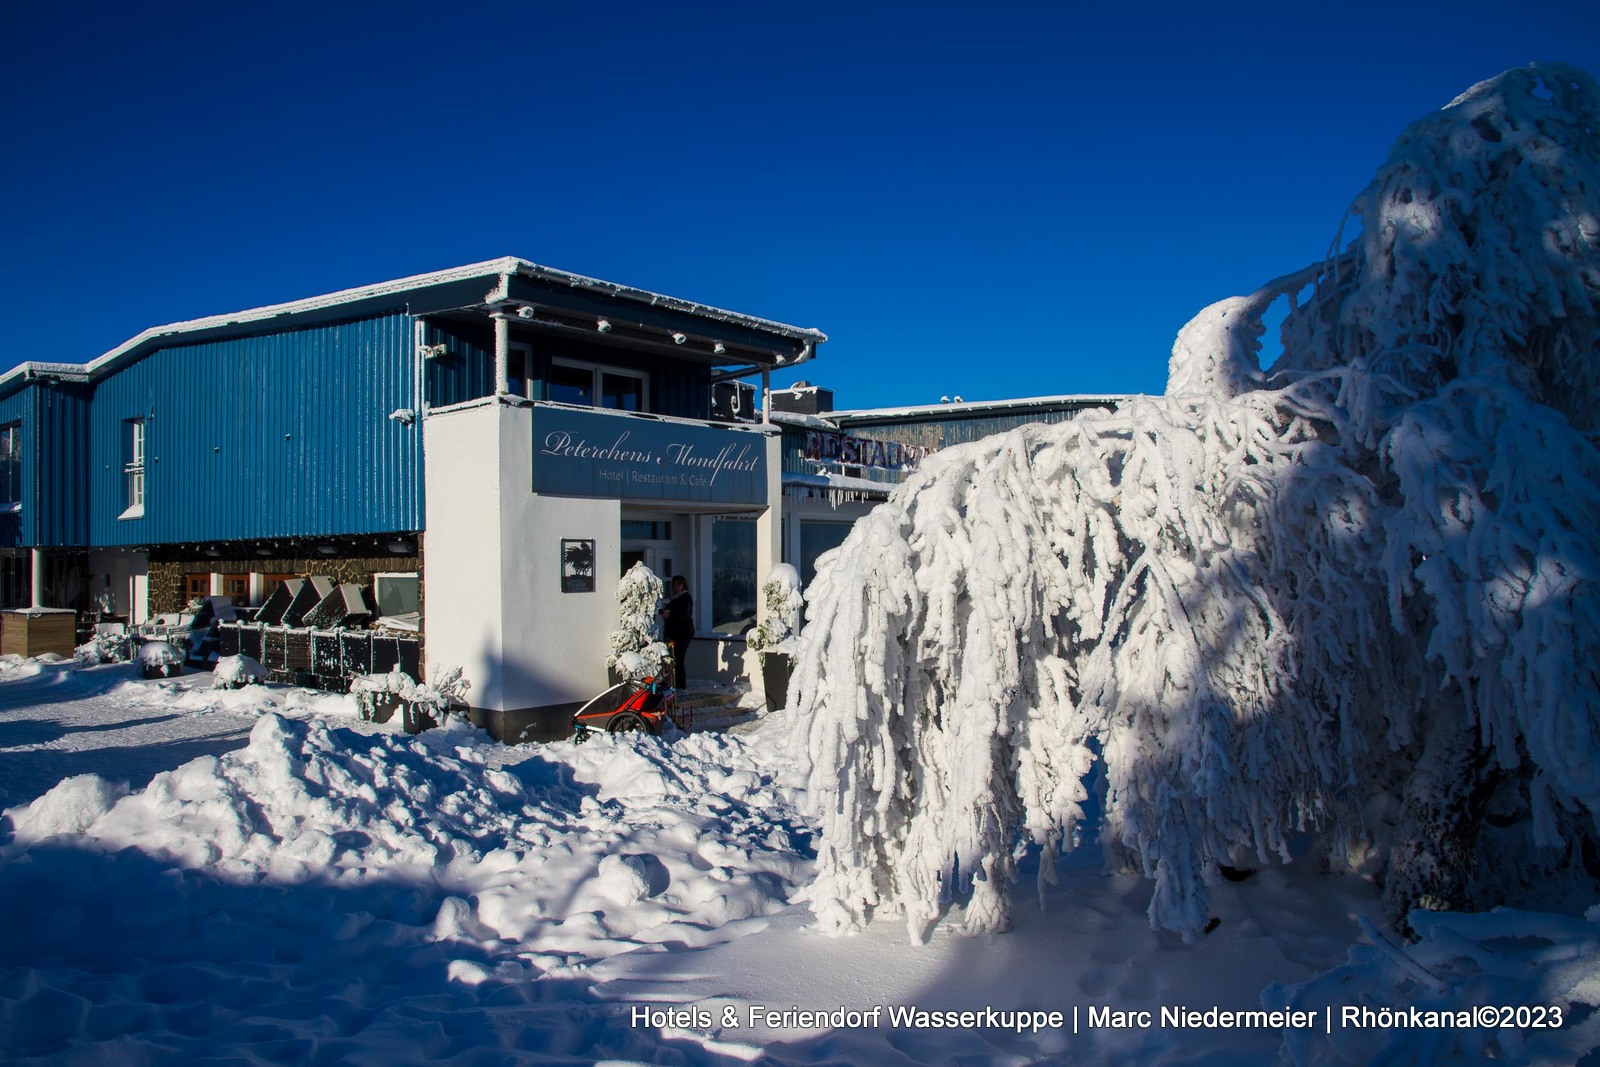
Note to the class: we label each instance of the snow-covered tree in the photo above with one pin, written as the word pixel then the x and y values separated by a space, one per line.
pixel 783 601
pixel 636 647
pixel 1353 595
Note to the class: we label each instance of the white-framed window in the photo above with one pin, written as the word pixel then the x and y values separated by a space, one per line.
pixel 397 594
pixel 11 466
pixel 733 574
pixel 596 386
pixel 133 451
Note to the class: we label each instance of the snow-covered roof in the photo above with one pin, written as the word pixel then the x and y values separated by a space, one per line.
pixel 976 407
pixel 503 268
pixel 796 418
pixel 835 420
pixel 825 480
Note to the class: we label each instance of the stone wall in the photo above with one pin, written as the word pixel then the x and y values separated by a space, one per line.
pixel 167 575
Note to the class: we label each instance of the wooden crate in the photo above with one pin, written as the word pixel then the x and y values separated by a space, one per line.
pixel 28 633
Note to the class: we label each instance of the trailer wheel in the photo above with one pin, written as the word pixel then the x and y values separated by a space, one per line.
pixel 625 723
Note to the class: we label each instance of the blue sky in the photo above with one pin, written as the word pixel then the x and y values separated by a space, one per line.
pixel 984 200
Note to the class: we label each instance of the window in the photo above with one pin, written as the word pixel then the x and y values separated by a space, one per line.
pixel 815 539
pixel 621 392
pixel 133 444
pixel 592 386
pixel 236 587
pixel 733 575
pixel 646 530
pixel 397 594
pixel 11 465
pixel 196 586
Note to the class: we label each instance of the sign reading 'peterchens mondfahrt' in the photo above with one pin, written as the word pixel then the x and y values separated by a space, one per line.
pixel 605 454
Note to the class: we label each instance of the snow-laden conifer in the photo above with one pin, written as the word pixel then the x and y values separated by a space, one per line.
pixel 780 622
pixel 636 647
pixel 1354 595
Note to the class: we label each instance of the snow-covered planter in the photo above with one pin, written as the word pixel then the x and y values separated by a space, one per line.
pixel 159 659
pixel 378 695
pixel 773 637
pixel 427 706
pixel 236 672
pixel 637 651
pixel 421 707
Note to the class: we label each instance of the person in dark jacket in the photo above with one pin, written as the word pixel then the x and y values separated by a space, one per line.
pixel 679 627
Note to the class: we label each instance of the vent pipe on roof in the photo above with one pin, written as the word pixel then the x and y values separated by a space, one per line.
pixel 38 578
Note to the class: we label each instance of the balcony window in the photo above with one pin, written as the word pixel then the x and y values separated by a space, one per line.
pixel 599 387
pixel 11 466
pixel 133 451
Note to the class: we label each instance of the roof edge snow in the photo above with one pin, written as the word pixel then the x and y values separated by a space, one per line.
pixel 487 269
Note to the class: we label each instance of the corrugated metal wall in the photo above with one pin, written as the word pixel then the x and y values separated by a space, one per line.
pixel 54 421
pixel 273 435
pixel 18 408
pixel 466 372
pixel 60 443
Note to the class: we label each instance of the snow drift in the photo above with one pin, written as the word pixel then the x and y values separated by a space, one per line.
pixel 1352 595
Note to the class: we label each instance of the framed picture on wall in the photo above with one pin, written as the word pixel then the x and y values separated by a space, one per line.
pixel 577 565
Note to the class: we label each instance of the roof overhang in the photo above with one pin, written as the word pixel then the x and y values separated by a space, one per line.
pixel 487 286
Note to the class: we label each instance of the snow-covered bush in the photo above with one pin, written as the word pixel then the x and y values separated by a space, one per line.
pixel 783 601
pixel 159 659
pixel 445 689
pixel 236 672
pixel 1355 595
pixel 395 682
pixel 636 647
pixel 106 646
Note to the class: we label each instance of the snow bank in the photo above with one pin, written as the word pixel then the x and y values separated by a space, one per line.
pixel 628 838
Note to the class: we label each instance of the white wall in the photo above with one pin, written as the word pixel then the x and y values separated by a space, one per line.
pixel 492 565
pixel 129 580
pixel 461 550
pixel 555 643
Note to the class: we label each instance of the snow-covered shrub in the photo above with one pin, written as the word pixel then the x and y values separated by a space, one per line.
pixel 783 601
pixel 159 659
pixel 445 689
pixel 106 647
pixel 396 682
pixel 636 647
pixel 1355 595
pixel 236 672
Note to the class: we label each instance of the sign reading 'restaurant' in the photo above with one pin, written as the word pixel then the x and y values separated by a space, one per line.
pixel 594 453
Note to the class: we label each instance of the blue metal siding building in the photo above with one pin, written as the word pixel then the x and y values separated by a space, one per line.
pixel 51 418
pixel 289 438
pixel 277 434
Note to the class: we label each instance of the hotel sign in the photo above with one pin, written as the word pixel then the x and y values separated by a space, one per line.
pixel 632 457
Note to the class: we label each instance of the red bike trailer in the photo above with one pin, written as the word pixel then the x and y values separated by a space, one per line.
pixel 643 704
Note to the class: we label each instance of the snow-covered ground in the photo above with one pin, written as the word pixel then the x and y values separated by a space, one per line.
pixel 190 874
